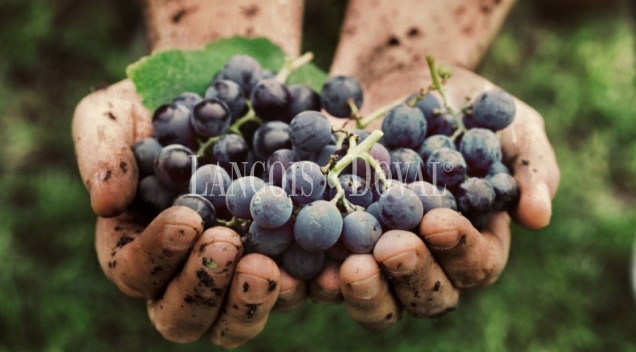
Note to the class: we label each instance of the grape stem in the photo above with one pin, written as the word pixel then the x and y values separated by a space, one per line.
pixel 293 64
pixel 234 128
pixel 354 152
pixel 380 112
pixel 234 222
pixel 448 106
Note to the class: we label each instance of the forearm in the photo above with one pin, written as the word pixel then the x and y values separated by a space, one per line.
pixel 192 23
pixel 383 36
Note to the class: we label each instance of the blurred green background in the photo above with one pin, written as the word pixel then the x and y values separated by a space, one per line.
pixel 565 288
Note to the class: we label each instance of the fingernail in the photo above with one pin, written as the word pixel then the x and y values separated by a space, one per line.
pixel 443 240
pixel 252 288
pixel 402 263
pixel 544 195
pixel 367 288
pixel 219 256
pixel 178 237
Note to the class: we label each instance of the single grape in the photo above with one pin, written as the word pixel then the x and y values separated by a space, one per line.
pixel 507 191
pixel 188 99
pixel 374 209
pixel 335 93
pixel 270 100
pixel 278 163
pixel 212 182
pixel 210 118
pixel 271 207
pixel 231 94
pixel 304 182
pixel 303 98
pixel 361 231
pixel 171 125
pixel 228 151
pixel 239 195
pixel 173 166
pixel 406 165
pixel 355 190
pixel 446 168
pixel 145 152
pixel 270 137
pixel 244 70
pixel 436 121
pixel 271 241
pixel 433 143
pixel 404 127
pixel 493 109
pixel 475 197
pixel 318 226
pixel 202 206
pixel 302 264
pixel 310 131
pixel 432 197
pixel 400 208
pixel 480 148
pixel 153 195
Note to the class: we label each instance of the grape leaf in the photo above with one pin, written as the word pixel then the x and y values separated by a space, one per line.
pixel 162 76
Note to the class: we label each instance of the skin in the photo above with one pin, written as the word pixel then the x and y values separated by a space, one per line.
pixel 404 269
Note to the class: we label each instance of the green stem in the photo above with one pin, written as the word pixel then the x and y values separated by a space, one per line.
pixel 234 128
pixel 449 107
pixel 381 112
pixel 292 65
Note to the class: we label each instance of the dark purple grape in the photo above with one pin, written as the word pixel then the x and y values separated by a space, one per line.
pixel 228 151
pixel 322 156
pixel 475 197
pixel 446 168
pixel 244 70
pixel 436 122
pixel 271 241
pixel 212 181
pixel 318 226
pixel 278 163
pixel 338 251
pixel 404 127
pixel 432 197
pixel 335 93
pixel 498 167
pixel 145 152
pixel 153 195
pixel 507 191
pixel 188 99
pixel 302 264
pixel 433 143
pixel 304 182
pixel 363 169
pixel 480 148
pixel 239 195
pixel 400 208
pixel 210 118
pixel 270 137
pixel 303 98
pixel 361 231
pixel 271 207
pixel 493 109
pixel 310 131
pixel 406 165
pixel 173 166
pixel 270 100
pixel 231 94
pixel 171 125
pixel 202 206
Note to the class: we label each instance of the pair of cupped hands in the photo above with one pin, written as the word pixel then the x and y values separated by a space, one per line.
pixel 200 284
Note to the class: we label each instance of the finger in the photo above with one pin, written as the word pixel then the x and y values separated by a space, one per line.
pixel 105 125
pixel 253 292
pixel 418 281
pixel 325 288
pixel 293 293
pixel 193 299
pixel 142 265
pixel 529 153
pixel 367 297
pixel 468 258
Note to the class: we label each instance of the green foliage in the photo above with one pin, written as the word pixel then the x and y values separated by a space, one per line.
pixel 565 287
pixel 164 75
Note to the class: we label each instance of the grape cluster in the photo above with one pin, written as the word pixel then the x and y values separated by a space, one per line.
pixel 259 156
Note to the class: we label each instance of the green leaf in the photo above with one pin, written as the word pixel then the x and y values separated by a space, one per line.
pixel 164 75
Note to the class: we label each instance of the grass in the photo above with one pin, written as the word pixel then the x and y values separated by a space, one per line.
pixel 565 288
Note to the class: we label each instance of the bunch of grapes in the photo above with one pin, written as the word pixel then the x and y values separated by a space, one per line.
pixel 258 156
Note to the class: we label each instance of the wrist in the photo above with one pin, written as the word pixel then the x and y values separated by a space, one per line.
pixel 191 24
